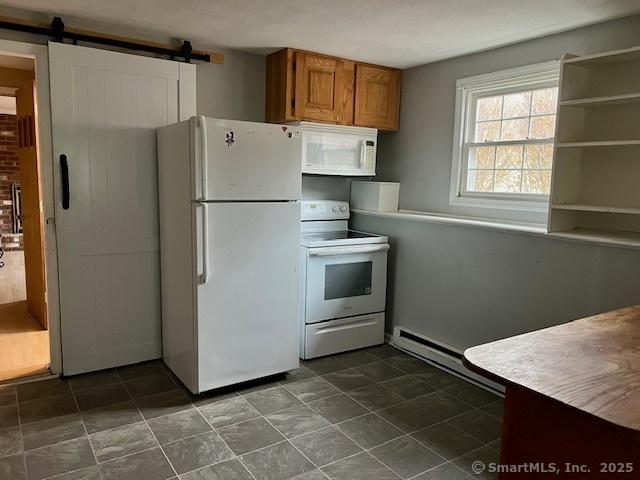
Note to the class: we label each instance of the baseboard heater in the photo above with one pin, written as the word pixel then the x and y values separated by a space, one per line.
pixel 440 355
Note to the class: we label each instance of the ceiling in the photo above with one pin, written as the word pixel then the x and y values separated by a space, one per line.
pixel 397 33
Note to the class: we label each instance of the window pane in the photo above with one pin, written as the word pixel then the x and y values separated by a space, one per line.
pixel 489 108
pixel 515 129
pixel 517 105
pixel 536 181
pixel 508 181
pixel 509 121
pixel 509 156
pixel 544 101
pixel 482 157
pixel 487 131
pixel 480 181
pixel 543 127
pixel 538 156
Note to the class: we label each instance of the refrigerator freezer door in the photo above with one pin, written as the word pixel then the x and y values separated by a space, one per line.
pixel 248 306
pixel 236 160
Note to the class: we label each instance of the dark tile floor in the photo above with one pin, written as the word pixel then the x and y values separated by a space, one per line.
pixel 371 414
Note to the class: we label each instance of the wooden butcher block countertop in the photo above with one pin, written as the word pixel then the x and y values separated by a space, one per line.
pixel 591 364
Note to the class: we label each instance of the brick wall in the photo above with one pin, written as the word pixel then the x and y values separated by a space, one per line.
pixel 9 174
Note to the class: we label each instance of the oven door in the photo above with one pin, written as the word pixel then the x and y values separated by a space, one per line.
pixel 345 281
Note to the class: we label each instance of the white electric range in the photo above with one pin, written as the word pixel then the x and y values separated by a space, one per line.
pixel 343 276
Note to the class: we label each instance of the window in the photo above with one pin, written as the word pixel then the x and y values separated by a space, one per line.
pixel 503 146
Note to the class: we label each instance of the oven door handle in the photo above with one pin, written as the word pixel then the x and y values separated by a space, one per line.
pixel 330 251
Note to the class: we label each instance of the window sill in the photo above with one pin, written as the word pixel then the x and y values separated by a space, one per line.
pixel 607 239
pixel 476 201
pixel 486 223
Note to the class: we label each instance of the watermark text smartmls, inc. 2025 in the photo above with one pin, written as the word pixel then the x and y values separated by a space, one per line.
pixel 554 468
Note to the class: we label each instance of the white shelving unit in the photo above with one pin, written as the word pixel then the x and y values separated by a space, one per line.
pixel 595 188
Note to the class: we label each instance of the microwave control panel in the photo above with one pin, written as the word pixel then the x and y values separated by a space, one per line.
pixel 324 210
pixel 369 152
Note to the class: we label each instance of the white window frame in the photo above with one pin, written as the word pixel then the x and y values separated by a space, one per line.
pixel 530 77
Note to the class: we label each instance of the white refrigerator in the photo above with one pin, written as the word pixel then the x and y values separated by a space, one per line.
pixel 229 230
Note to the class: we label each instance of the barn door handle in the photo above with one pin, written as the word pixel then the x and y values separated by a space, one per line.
pixel 64 174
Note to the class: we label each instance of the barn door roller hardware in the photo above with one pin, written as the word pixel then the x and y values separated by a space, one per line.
pixel 185 52
pixel 58 32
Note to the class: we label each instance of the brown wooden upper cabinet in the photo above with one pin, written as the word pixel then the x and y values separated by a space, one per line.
pixel 324 87
pixel 308 86
pixel 377 97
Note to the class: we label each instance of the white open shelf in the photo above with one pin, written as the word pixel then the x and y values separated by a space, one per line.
pixel 602 237
pixel 605 58
pixel 594 189
pixel 602 101
pixel 598 208
pixel 609 122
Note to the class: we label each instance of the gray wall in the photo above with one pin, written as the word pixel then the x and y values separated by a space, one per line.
pixel 319 187
pixel 466 285
pixel 233 90
pixel 463 285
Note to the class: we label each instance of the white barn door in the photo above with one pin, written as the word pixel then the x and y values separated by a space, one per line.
pixel 105 107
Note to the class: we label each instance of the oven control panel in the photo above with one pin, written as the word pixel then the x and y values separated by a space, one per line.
pixel 324 210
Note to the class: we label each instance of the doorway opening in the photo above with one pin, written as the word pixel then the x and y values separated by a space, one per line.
pixel 24 326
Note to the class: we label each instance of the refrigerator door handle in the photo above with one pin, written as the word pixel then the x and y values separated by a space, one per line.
pixel 204 278
pixel 202 123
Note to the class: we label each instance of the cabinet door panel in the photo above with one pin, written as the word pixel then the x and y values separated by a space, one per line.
pixel 319 88
pixel 377 97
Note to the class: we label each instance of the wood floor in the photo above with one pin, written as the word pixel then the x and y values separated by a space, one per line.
pixel 24 346
pixel 12 283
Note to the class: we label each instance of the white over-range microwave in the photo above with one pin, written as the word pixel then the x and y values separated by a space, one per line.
pixel 338 149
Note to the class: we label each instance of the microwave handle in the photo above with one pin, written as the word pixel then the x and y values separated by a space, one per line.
pixel 331 251
pixel 363 153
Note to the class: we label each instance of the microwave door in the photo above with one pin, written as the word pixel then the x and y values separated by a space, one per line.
pixel 337 154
